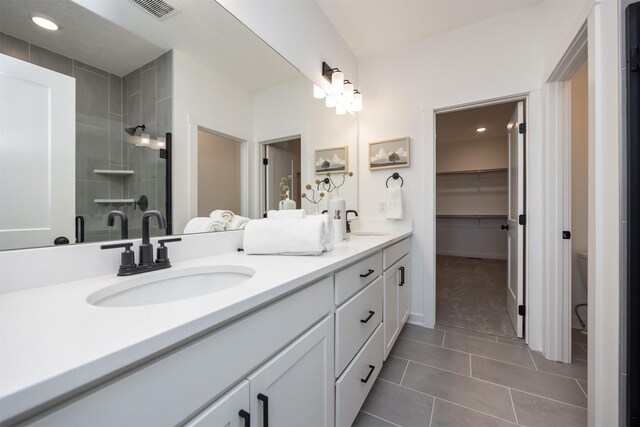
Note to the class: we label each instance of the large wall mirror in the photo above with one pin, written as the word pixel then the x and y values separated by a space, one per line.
pixel 123 109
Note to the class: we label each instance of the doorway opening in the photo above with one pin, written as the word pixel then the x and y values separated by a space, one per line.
pixel 480 219
pixel 281 159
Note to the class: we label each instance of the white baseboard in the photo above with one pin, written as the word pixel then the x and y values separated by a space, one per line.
pixel 468 254
pixel 416 319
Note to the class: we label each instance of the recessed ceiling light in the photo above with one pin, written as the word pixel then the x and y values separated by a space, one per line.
pixel 481 129
pixel 45 23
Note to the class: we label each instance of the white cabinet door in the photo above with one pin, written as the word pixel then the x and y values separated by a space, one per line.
pixel 296 388
pixel 390 308
pixel 404 284
pixel 231 410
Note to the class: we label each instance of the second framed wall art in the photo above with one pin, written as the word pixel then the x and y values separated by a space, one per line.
pixel 390 153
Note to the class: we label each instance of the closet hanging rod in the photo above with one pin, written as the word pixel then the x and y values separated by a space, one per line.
pixel 475 171
pixel 395 176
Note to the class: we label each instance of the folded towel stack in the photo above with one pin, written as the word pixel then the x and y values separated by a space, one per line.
pixel 222 215
pixel 302 236
pixel 237 223
pixel 203 225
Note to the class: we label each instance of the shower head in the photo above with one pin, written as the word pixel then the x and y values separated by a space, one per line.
pixel 132 130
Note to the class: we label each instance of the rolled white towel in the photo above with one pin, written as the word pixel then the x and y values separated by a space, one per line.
pixel 285 237
pixel 286 214
pixel 238 222
pixel 328 232
pixel 222 214
pixel 203 225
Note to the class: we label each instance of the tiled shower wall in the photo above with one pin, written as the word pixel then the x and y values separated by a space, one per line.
pixel 105 105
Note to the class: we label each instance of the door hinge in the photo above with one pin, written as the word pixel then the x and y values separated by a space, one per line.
pixel 522 219
pixel 522 128
pixel 522 310
pixel 566 235
pixel 265 161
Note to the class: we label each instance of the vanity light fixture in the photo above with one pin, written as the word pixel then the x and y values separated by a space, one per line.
pixel 145 139
pixel 45 23
pixel 481 129
pixel 338 93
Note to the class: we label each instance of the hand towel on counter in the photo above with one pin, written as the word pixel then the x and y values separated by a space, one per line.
pixel 203 225
pixel 286 214
pixel 238 222
pixel 393 203
pixel 221 214
pixel 287 237
pixel 329 232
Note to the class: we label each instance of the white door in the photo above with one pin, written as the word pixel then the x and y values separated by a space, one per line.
pixel 281 164
pixel 296 387
pixel 515 288
pixel 231 410
pixel 37 139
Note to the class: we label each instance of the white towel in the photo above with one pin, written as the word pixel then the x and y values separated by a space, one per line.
pixel 329 233
pixel 286 214
pixel 286 237
pixel 203 225
pixel 393 203
pixel 222 215
pixel 238 222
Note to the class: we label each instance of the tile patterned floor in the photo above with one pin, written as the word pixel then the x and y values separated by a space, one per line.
pixel 454 377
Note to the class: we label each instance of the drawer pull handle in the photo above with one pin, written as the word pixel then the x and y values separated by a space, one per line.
pixel 265 409
pixel 371 313
pixel 366 380
pixel 401 276
pixel 246 417
pixel 369 273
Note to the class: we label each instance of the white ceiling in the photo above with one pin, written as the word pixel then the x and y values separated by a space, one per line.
pixel 374 26
pixel 117 36
pixel 461 125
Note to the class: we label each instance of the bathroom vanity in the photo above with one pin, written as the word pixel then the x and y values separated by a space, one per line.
pixel 300 342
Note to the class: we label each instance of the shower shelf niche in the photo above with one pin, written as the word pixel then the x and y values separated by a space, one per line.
pixel 113 201
pixel 113 172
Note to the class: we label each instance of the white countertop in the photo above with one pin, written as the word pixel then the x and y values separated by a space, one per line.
pixel 52 341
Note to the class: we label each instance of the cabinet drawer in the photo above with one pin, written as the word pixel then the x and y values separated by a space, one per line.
pixel 394 252
pixel 352 279
pixel 170 389
pixel 355 321
pixel 351 388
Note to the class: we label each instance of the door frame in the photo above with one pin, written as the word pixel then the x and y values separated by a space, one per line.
pixel 429 203
pixel 262 180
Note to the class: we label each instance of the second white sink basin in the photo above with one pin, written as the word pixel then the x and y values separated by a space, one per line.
pixel 173 285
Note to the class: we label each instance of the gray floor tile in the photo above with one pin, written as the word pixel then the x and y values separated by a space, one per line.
pixel 482 396
pixel 366 420
pixel 398 404
pixel 529 380
pixel 432 355
pixel 393 369
pixel 502 352
pixel 512 341
pixel 576 369
pixel 426 335
pixel 446 414
pixel 578 336
pixel 466 332
pixel 538 411
pixel 585 386
pixel 578 351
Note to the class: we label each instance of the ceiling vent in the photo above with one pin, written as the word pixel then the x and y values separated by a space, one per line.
pixel 160 9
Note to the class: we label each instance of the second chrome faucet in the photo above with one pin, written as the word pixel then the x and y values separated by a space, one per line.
pixel 146 263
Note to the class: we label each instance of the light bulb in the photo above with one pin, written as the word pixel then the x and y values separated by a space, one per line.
pixel 337 81
pixel 330 102
pixel 348 92
pixel 481 129
pixel 318 93
pixel 356 104
pixel 340 110
pixel 145 139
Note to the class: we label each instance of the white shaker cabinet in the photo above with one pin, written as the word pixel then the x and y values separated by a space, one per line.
pixel 231 410
pixel 397 281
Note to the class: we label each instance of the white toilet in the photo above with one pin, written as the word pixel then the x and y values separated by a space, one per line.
pixel 583 259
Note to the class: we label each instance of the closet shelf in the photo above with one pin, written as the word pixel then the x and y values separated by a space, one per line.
pixel 473 216
pixel 113 172
pixel 113 201
pixel 473 172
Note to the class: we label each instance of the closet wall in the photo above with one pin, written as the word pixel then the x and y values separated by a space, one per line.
pixel 472 198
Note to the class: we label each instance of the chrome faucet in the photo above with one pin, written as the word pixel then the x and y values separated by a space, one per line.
pixel 145 259
pixel 124 223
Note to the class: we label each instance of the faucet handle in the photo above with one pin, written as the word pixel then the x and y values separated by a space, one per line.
pixel 162 251
pixel 127 258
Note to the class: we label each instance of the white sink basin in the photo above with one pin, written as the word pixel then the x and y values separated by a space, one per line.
pixel 172 285
pixel 368 233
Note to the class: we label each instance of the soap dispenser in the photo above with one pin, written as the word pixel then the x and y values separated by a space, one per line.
pixel 338 226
